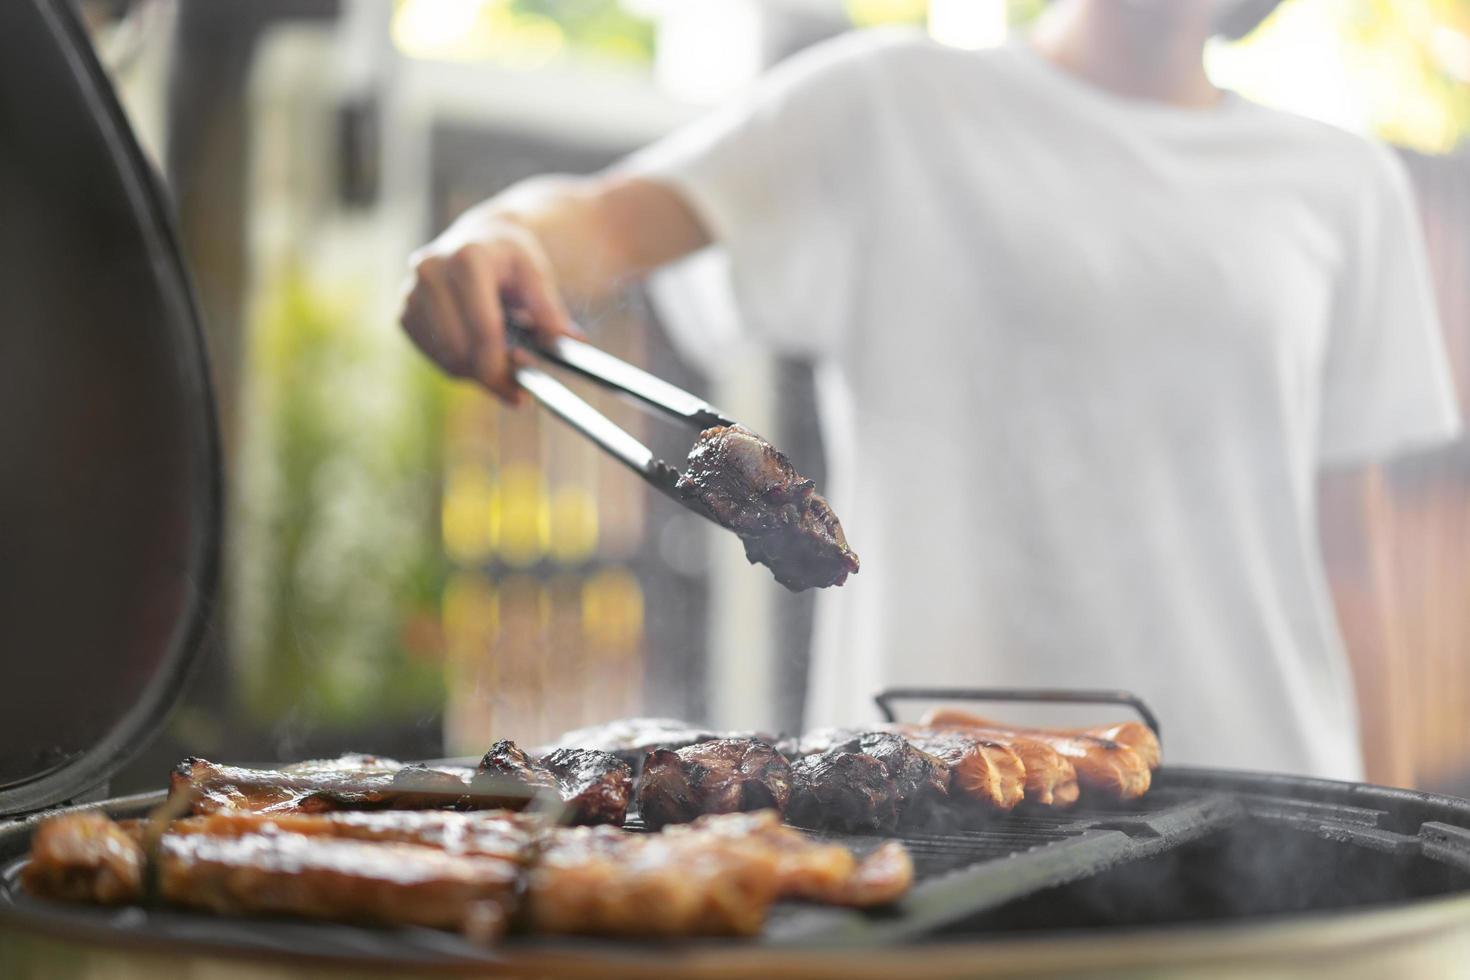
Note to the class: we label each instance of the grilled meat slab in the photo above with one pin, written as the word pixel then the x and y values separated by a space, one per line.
pixel 1105 767
pixel 747 485
pixel 334 879
pixel 725 775
pixel 595 786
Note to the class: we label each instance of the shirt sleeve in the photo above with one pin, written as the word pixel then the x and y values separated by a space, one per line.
pixel 767 174
pixel 1387 386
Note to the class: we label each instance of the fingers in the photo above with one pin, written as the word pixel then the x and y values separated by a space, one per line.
pixel 534 284
pixel 474 281
pixel 455 308
pixel 431 320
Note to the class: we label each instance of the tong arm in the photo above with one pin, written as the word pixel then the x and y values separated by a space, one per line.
pixel 600 366
pixel 562 402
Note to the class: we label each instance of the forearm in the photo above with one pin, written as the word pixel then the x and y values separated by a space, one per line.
pixel 598 232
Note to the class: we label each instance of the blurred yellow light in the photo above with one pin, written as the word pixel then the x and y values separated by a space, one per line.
pixel 520 516
pixel 968 24
pixel 612 609
pixel 471 614
pixel 465 515
pixel 866 13
pixel 427 28
pixel 473 30
pixel 1374 66
pixel 573 525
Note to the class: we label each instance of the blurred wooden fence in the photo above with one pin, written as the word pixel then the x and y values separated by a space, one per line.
pixel 1414 683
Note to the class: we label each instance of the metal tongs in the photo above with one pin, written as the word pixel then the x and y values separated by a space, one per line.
pixel 600 366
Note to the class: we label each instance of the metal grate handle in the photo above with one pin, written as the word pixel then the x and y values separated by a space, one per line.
pixel 885 698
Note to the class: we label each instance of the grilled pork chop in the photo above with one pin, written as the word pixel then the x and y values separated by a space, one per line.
pixel 747 485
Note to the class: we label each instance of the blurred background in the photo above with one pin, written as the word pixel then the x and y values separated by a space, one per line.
pixel 413 570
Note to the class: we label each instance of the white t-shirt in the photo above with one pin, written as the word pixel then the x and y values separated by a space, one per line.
pixel 1084 357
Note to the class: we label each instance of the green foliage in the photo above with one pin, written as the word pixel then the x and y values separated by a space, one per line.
pixel 602 27
pixel 335 550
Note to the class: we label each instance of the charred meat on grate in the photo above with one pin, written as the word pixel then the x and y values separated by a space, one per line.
pixel 726 775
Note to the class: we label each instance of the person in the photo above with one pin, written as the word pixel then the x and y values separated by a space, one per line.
pixel 1094 335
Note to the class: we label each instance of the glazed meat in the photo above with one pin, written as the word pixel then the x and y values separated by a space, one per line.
pixel 1106 767
pixel 726 775
pixel 595 786
pixel 328 878
pixel 745 484
pixel 843 790
pixel 353 782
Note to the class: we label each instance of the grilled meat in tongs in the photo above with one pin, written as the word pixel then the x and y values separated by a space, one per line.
pixel 734 477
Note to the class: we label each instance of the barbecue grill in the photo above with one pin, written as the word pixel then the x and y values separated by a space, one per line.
pixel 111 493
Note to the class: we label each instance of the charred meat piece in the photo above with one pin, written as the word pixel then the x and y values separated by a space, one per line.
pixel 278 873
pixel 509 761
pixel 726 775
pixel 631 739
pixel 843 790
pixel 1104 766
pixel 921 780
pixel 353 782
pixel 597 786
pixel 745 484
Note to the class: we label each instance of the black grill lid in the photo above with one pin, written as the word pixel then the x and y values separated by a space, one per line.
pixel 109 470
